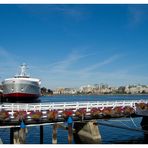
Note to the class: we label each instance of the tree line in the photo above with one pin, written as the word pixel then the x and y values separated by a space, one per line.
pixel 45 91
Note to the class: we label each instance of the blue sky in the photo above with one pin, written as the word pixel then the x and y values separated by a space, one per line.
pixel 74 45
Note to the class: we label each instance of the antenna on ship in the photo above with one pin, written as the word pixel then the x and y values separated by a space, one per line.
pixel 22 72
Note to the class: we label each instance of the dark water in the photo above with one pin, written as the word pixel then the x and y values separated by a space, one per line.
pixel 109 135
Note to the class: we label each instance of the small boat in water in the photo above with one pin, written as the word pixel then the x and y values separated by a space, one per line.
pixel 21 86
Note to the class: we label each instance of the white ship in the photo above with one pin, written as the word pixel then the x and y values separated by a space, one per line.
pixel 21 86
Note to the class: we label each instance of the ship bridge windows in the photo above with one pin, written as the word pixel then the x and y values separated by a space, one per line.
pixel 34 83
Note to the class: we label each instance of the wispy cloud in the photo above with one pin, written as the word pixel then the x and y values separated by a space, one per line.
pixel 102 63
pixel 62 72
pixel 71 59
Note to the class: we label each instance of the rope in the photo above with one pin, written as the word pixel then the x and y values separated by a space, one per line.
pixel 124 124
pixel 133 121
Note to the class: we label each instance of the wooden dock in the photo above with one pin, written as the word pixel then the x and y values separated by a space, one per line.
pixel 80 117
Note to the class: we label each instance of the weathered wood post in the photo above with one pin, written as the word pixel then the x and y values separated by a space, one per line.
pixel 16 135
pixel 41 134
pixel 1 142
pixel 22 135
pixel 19 134
pixel 54 134
pixel 70 133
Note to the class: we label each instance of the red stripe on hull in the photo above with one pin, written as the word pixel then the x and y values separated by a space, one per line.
pixel 20 95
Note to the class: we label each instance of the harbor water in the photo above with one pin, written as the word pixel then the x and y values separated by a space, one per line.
pixel 110 135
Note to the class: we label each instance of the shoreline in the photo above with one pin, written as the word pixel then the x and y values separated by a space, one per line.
pixel 97 95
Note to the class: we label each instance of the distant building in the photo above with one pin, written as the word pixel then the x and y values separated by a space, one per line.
pixel 65 91
pixel 86 89
pixel 135 89
pixel 58 91
pixel 102 89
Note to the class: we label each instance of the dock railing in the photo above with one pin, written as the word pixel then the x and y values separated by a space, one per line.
pixel 11 107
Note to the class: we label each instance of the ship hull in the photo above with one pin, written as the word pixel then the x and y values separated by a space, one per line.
pixel 21 88
pixel 21 95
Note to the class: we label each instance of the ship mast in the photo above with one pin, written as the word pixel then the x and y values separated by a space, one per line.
pixel 22 72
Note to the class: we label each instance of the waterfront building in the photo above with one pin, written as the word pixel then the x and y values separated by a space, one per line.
pixel 86 89
pixel 65 91
pixel 135 89
pixel 103 89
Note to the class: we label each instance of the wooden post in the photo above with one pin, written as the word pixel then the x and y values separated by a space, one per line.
pixel 19 135
pixel 22 135
pixel 41 134
pixel 16 135
pixel 1 142
pixel 70 133
pixel 69 122
pixel 54 134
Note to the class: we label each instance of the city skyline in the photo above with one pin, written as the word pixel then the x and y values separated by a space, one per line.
pixel 73 45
